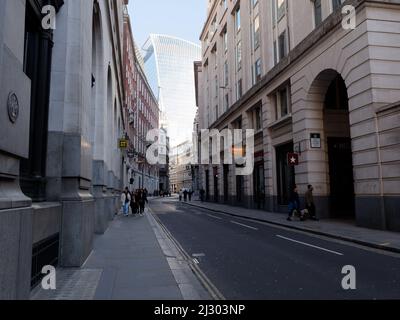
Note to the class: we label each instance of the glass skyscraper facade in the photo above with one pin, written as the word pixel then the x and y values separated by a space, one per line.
pixel 169 65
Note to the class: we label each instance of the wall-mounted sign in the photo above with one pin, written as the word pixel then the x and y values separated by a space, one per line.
pixel 293 159
pixel 315 139
pixel 123 143
pixel 13 107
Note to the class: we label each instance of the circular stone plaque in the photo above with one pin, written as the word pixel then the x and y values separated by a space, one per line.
pixel 13 107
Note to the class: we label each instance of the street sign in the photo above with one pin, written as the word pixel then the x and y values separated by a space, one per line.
pixel 315 140
pixel 123 143
pixel 293 159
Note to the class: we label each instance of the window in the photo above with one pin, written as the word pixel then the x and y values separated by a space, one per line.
pixel 225 39
pixel 283 102
pixel 239 89
pixel 274 20
pixel 336 4
pixel 256 32
pixel 257 71
pixel 226 102
pixel 281 6
pixel 237 19
pixel 282 45
pixel 275 53
pixel 257 119
pixel 317 12
pixel 239 55
pixel 216 87
pixel 226 74
pixel 214 25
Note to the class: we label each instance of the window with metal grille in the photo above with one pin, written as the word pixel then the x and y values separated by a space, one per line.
pixel 44 253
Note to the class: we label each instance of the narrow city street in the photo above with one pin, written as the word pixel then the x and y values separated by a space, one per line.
pixel 252 260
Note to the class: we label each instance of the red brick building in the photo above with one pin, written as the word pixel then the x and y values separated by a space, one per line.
pixel 141 115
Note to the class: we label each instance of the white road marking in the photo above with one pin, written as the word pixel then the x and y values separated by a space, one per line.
pixel 244 225
pixel 210 215
pixel 310 245
pixel 196 261
pixel 198 255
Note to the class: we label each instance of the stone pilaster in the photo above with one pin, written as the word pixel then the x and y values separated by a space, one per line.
pixel 15 207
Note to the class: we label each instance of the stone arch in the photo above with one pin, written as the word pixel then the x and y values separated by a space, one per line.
pixel 98 85
pixel 326 112
pixel 109 115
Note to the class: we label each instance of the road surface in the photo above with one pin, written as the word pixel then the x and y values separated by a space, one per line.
pixel 245 259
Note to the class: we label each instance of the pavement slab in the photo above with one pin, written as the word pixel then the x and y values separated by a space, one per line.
pixel 132 261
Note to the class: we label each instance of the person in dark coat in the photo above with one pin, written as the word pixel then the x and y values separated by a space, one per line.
pixel 202 193
pixel 310 205
pixel 185 195
pixel 294 203
pixel 143 200
pixel 134 204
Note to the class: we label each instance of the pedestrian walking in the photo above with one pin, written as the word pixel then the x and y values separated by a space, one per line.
pixel 134 205
pixel 294 203
pixel 142 202
pixel 202 193
pixel 185 195
pixel 145 195
pixel 137 201
pixel 125 200
pixel 180 195
pixel 190 195
pixel 310 204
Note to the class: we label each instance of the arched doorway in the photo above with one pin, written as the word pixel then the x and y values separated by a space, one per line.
pixel 329 157
pixel 339 149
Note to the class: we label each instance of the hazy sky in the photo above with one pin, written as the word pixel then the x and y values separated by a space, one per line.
pixel 180 18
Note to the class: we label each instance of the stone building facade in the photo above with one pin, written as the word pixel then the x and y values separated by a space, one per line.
pixel 295 72
pixel 181 158
pixel 61 99
pixel 141 115
pixel 163 168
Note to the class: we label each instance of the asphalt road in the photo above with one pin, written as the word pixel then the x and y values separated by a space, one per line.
pixel 250 260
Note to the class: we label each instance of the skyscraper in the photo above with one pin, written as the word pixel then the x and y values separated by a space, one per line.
pixel 169 67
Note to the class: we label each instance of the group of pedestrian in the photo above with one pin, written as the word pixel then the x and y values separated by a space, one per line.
pixel 134 202
pixel 294 205
pixel 185 194
pixel 164 194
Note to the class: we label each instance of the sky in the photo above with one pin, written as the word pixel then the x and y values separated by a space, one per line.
pixel 180 18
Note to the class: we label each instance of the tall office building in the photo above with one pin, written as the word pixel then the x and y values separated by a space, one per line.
pixel 169 67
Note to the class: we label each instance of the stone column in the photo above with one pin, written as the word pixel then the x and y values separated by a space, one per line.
pixel 69 129
pixel 99 192
pixel 110 202
pixel 15 207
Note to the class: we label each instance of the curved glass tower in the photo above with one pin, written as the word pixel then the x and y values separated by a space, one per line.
pixel 169 65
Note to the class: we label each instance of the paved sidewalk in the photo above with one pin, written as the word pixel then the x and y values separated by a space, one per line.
pixel 385 240
pixel 132 261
